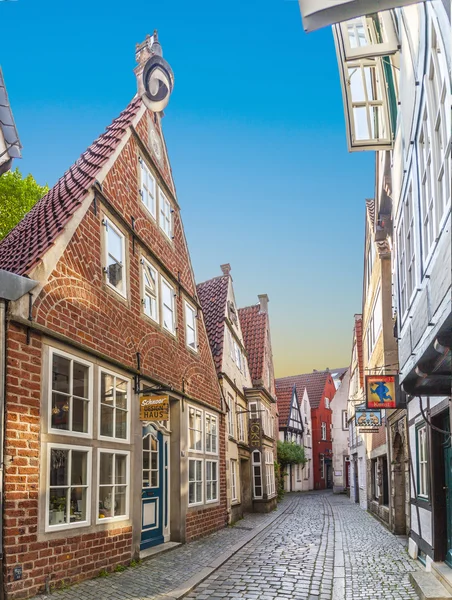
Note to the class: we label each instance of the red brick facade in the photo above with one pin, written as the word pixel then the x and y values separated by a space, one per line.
pixel 76 307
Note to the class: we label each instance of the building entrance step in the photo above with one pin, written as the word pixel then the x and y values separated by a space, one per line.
pixel 428 587
pixel 444 574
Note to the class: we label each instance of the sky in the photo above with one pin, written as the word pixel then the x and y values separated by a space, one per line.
pixel 256 138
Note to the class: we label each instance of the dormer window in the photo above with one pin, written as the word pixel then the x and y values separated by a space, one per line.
pixel 165 215
pixel 148 189
pixel 115 257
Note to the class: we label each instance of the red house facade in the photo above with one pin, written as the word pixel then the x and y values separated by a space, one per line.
pixel 321 390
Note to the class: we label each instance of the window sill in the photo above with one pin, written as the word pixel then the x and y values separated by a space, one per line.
pixel 67 433
pixel 113 440
pixel 210 502
pixel 112 519
pixel 66 526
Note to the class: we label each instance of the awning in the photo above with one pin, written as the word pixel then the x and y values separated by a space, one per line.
pixel 320 13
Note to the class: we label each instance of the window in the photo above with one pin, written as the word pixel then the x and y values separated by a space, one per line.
pixel 150 290
pixel 211 428
pixel 270 473
pixel 71 393
pixel 370 260
pixel 68 495
pixel 168 306
pixel 368 36
pixel 307 469
pixel 375 323
pixel 194 481
pixel 375 478
pixel 406 252
pixel 238 355
pixel 234 496
pixel 190 327
pixel 361 472
pixel 253 408
pixel 322 466
pixel 422 462
pixel 327 403
pixel 194 429
pixel 231 428
pixel 147 188
pixel 165 215
pixel 323 431
pixel 115 252
pixel 114 407
pixel 113 492
pixel 211 480
pixel 298 472
pixel 150 461
pixel 257 474
pixel 344 420
pixel 241 431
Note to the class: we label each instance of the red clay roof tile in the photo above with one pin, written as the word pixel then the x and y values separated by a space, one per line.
pixel 314 383
pixel 284 393
pixel 254 329
pixel 213 296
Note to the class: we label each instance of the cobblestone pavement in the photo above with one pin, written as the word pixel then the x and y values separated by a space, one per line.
pixel 323 548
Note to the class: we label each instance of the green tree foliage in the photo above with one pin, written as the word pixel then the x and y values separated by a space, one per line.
pixel 18 195
pixel 290 453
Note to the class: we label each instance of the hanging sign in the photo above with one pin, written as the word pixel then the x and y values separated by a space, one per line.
pixel 381 391
pixel 255 434
pixel 154 408
pixel 368 421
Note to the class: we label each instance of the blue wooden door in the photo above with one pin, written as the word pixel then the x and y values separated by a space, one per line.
pixel 153 496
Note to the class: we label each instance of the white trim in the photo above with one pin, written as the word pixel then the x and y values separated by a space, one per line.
pixel 192 309
pixel 107 222
pixel 196 409
pixel 217 480
pixel 63 526
pixel 234 487
pixel 213 418
pixel 172 290
pixel 165 214
pixel 372 47
pixel 71 357
pixel 125 453
pixel 144 190
pixel 145 264
pixel 113 438
pixel 196 481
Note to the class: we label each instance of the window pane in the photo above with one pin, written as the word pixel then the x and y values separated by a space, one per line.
pixel 191 470
pixel 191 493
pixel 106 468
pixel 361 125
pixel 120 500
pixel 114 241
pixel 81 378
pixel 106 508
pixel 61 374
pixel 168 318
pixel 78 504
pixel 106 420
pixel 106 389
pixel 57 506
pixel 198 470
pixel 59 467
pixel 121 393
pixel 60 411
pixel 146 464
pixel 78 469
pixel 121 424
pixel 79 415
pixel 120 469
pixel 198 492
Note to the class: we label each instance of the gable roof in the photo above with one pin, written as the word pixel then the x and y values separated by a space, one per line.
pixel 23 247
pixel 213 296
pixel 314 383
pixel 284 395
pixel 253 323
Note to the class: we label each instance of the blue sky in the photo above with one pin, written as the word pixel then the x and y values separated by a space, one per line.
pixel 255 133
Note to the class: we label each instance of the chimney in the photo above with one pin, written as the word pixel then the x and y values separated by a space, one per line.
pixel 226 269
pixel 263 302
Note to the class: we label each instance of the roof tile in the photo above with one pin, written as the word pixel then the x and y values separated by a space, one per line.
pixel 314 383
pixel 213 296
pixel 254 329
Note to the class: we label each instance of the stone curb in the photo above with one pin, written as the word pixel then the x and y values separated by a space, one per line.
pixel 186 587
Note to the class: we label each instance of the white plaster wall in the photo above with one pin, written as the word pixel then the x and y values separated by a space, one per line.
pixel 340 436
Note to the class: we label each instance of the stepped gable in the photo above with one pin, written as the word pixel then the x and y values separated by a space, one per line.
pixel 213 295
pixel 25 245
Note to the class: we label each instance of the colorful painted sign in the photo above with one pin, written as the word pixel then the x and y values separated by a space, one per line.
pixel 255 434
pixel 381 391
pixel 154 408
pixel 368 421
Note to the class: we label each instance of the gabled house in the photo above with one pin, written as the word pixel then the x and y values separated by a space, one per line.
pixel 320 389
pixel 295 426
pixel 341 456
pixel 226 342
pixel 261 399
pixel 114 422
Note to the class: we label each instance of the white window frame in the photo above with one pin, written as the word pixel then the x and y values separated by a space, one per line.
pixel 148 197
pixel 234 487
pixel 253 407
pixel 231 414
pixel 270 474
pixel 87 521
pixel 372 47
pixel 125 453
pixel 241 426
pixel 213 436
pixel 201 431
pixel 196 481
pixel 375 325
pixel 166 215
pixel 257 464
pixel 108 223
pixel 238 355
pixel 323 428
pixel 422 462
pixel 71 357
pixel 129 393
pixel 217 480
pixel 189 308
pixel 171 308
pixel 327 403
pixel 146 265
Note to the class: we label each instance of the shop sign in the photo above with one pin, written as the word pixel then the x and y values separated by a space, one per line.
pixel 368 421
pixel 381 391
pixel 255 433
pixel 154 408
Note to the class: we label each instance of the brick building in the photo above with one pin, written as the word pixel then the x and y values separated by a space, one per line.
pixel 321 390
pixel 114 313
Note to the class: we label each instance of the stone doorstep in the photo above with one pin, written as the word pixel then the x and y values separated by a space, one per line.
pixel 444 574
pixel 156 550
pixel 428 587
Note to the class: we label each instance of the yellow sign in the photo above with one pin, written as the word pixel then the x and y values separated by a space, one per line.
pixel 154 408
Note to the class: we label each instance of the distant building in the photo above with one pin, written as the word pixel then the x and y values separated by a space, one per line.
pixel 341 453
pixel 9 138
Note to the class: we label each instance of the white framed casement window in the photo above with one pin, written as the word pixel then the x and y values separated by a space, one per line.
pixel 166 215
pixel 257 474
pixel 367 36
pixel 238 356
pixel 195 482
pixel 241 430
pixel 234 495
pixel 114 407
pixel 148 188
pixel 195 431
pixel 422 462
pixel 323 431
pixel 71 394
pixel 211 481
pixel 231 416
pixel 270 473
pixel 191 333
pixel 113 476
pixel 254 410
pixel 375 324
pixel 115 257
pixel 68 495
pixel 168 306
pixel 211 432
pixel 150 299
